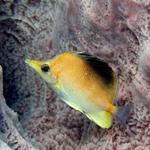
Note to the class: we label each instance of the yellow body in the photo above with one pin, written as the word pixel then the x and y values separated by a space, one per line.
pixel 80 87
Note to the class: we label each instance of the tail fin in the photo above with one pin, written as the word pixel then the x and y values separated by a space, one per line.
pixel 122 114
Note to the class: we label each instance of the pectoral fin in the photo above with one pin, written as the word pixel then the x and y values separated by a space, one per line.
pixel 102 118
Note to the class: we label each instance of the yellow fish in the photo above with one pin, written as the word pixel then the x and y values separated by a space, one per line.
pixel 84 82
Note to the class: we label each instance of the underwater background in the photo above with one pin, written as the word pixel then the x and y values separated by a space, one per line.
pixel 31 115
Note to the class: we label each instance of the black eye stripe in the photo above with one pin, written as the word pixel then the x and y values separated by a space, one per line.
pixel 45 68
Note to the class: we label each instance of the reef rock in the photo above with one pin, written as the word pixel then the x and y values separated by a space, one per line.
pixel 116 31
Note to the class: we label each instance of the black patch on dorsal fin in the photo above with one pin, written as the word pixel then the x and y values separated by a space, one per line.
pixel 99 66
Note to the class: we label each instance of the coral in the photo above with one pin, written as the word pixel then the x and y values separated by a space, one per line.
pixel 116 31
pixel 9 125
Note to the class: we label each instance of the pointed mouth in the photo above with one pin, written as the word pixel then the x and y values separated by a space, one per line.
pixel 27 61
pixel 35 64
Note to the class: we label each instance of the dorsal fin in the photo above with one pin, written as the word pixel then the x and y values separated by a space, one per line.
pixel 99 66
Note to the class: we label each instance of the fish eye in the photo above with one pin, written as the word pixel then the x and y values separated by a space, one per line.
pixel 45 68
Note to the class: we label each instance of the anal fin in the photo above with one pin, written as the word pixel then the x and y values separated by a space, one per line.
pixel 73 105
pixel 101 118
